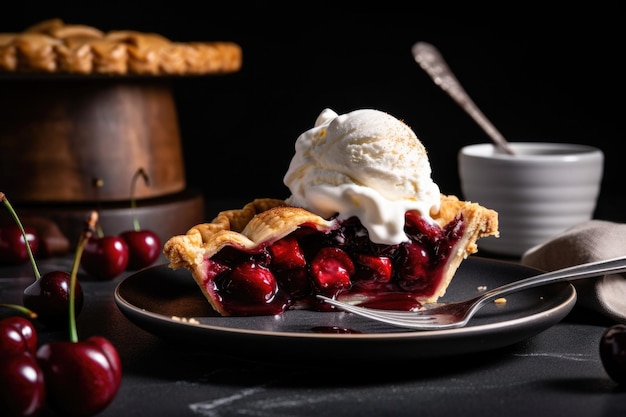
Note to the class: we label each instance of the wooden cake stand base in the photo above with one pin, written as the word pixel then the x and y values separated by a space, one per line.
pixel 60 135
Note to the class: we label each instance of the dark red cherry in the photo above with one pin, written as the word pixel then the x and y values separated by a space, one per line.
pixel 287 254
pixel 331 269
pixel 413 267
pixel 418 228
pixel 372 271
pixel 83 377
pixel 105 257
pixel 49 297
pixel 250 282
pixel 22 388
pixel 13 247
pixel 214 269
pixel 17 335
pixel 613 352
pixel 144 247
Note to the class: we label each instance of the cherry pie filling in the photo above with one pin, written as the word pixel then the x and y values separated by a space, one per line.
pixel 340 263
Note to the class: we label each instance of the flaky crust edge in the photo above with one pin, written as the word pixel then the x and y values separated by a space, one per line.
pixel 480 222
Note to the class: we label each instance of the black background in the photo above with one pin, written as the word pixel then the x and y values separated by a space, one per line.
pixel 537 76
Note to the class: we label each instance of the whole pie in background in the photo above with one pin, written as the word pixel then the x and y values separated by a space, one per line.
pixel 52 46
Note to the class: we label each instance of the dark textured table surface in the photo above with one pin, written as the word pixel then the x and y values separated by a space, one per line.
pixel 556 372
pixel 531 80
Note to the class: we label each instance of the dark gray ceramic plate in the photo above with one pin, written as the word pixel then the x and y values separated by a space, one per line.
pixel 151 297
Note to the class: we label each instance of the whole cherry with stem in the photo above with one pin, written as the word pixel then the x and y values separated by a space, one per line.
pixel 82 376
pixel 103 257
pixel 48 295
pixel 144 245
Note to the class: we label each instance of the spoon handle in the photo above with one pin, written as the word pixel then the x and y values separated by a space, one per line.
pixel 431 61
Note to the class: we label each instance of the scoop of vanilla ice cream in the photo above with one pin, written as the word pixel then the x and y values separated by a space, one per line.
pixel 365 163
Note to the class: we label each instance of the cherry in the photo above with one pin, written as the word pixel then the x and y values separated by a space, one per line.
pixel 414 265
pixel 13 249
pixel 48 296
pixel 23 391
pixel 613 352
pixel 82 377
pixel 419 229
pixel 102 257
pixel 287 254
pixel 372 271
pixel 214 269
pixel 105 257
pixel 250 282
pixel 144 246
pixel 17 335
pixel 331 269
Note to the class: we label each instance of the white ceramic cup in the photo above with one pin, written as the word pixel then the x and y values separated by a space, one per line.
pixel 542 190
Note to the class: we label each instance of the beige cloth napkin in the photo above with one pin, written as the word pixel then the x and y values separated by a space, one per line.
pixel 588 242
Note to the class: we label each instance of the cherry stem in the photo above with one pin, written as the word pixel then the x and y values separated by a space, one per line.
pixel 88 232
pixel 133 203
pixel 31 257
pixel 97 184
pixel 26 311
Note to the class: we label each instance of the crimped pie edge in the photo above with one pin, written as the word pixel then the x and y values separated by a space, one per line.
pixel 52 46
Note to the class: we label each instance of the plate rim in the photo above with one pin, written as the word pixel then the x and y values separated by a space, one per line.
pixel 557 312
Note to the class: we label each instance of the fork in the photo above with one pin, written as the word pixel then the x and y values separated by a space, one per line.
pixel 448 315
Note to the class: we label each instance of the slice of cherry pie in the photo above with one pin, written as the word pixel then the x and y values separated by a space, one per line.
pixel 269 257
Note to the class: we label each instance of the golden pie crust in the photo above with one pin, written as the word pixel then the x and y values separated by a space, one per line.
pixel 264 221
pixel 52 46
pixel 479 222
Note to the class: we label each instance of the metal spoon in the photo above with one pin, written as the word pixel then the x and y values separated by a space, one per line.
pixel 431 61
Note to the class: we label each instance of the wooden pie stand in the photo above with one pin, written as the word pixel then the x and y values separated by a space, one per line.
pixel 61 134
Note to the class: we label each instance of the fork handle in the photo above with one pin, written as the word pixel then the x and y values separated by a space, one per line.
pixel 586 270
